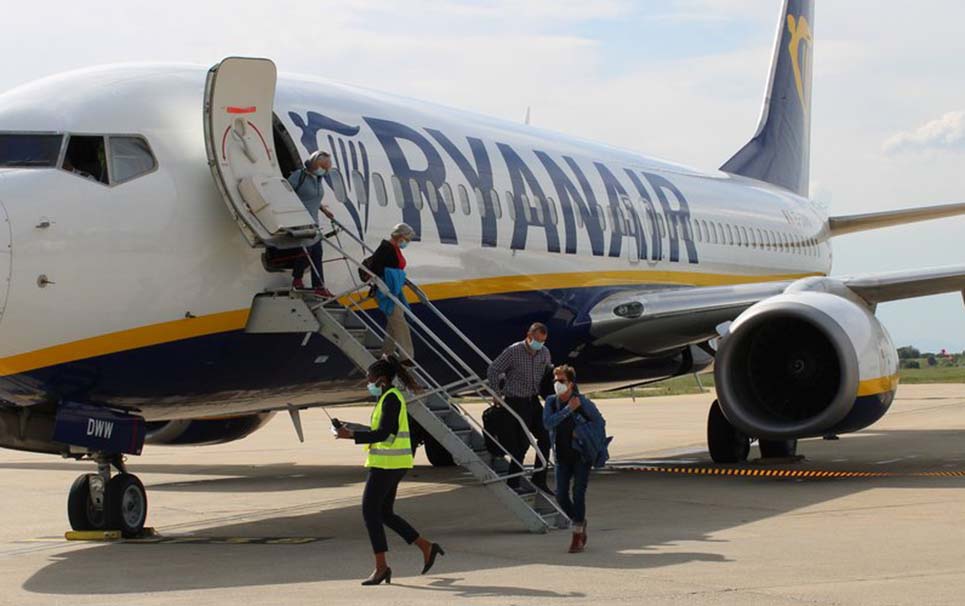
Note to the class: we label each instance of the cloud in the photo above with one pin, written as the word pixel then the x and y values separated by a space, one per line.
pixel 945 133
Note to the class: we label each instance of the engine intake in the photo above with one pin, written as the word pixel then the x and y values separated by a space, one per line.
pixel 791 366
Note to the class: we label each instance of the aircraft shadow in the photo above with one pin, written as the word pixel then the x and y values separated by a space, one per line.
pixel 638 521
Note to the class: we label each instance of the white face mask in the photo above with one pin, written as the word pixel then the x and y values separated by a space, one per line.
pixel 560 388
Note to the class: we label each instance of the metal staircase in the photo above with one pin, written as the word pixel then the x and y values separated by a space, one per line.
pixel 346 322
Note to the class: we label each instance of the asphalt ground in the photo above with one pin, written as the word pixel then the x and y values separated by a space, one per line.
pixel 873 518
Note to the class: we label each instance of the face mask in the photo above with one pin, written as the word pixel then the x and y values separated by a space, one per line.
pixel 403 243
pixel 535 345
pixel 560 388
pixel 375 390
pixel 319 172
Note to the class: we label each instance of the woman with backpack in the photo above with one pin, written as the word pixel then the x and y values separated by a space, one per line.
pixel 578 436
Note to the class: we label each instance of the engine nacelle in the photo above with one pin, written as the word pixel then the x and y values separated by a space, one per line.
pixel 806 363
pixel 197 432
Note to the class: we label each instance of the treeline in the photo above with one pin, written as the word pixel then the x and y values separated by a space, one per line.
pixel 912 357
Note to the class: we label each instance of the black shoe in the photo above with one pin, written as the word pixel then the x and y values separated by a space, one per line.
pixel 376 579
pixel 436 550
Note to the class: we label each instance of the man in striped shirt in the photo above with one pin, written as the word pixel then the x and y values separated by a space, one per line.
pixel 516 375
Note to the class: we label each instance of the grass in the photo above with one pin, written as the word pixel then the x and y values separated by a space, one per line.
pixel 688 385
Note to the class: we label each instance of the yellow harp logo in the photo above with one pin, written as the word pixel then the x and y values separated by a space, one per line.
pixel 800 51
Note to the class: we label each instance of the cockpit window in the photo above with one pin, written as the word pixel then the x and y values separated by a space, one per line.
pixel 86 157
pixel 29 150
pixel 130 158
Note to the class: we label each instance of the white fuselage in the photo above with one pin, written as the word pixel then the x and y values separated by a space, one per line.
pixel 158 260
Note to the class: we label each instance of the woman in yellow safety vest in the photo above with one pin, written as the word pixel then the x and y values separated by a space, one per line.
pixel 389 458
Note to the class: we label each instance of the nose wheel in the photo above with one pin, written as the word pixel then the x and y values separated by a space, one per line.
pixel 97 501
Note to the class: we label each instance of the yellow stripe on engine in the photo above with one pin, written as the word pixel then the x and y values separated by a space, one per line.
pixel 873 387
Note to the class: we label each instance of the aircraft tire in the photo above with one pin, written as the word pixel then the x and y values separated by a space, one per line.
pixel 777 449
pixel 81 511
pixel 437 455
pixel 125 502
pixel 725 443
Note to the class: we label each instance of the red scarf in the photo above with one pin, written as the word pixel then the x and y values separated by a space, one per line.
pixel 398 254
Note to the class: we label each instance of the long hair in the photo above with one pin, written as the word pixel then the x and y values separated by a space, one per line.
pixel 389 367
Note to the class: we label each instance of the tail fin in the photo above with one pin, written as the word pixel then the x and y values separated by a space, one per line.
pixel 780 152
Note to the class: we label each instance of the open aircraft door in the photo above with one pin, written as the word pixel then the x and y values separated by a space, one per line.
pixel 239 97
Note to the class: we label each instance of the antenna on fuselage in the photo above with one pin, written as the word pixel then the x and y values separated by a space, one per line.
pixel 526 119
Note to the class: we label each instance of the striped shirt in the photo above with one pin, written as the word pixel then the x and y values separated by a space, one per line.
pixel 523 369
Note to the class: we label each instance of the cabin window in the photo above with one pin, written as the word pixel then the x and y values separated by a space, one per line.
pixel 554 213
pixel 730 234
pixel 397 191
pixel 131 157
pixel 86 157
pixel 464 200
pixel 416 194
pixel 600 216
pixel 433 196
pixel 497 207
pixel 480 202
pixel 380 194
pixel 358 184
pixel 742 236
pixel 538 210
pixel 661 226
pixel 29 151
pixel 510 206
pixel 338 185
pixel 450 202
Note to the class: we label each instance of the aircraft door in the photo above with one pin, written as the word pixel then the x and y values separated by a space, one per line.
pixel 239 97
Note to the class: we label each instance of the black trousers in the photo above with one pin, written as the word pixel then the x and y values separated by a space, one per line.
pixel 301 264
pixel 531 411
pixel 378 500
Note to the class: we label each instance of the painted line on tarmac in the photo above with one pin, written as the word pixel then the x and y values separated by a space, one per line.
pixel 783 473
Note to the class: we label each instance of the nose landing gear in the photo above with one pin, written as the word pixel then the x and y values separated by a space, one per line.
pixel 98 501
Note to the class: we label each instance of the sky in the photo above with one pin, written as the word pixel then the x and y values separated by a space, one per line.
pixel 681 80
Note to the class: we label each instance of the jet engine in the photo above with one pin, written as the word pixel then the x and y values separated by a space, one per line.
pixel 810 362
pixel 212 430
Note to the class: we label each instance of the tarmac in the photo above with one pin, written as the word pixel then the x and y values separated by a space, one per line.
pixel 269 520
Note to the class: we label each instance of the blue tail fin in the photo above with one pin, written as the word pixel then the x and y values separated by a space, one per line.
pixel 780 152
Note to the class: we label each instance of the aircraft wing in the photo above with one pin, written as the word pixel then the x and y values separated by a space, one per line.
pixel 649 322
pixel 893 286
pixel 838 226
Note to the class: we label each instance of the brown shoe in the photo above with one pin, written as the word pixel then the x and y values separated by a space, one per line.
pixel 576 544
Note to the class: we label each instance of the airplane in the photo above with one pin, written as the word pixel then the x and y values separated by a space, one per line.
pixel 143 208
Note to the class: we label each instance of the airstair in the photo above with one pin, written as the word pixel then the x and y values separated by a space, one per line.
pixel 346 321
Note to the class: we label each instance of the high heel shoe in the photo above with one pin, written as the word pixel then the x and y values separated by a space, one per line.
pixel 436 550
pixel 375 578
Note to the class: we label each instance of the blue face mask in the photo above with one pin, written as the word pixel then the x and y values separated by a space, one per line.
pixel 375 390
pixel 535 345
pixel 403 243
pixel 319 172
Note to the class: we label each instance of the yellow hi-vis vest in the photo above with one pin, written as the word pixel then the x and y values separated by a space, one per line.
pixel 396 451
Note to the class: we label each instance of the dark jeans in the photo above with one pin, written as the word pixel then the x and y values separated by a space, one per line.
pixel 301 264
pixel 531 412
pixel 579 474
pixel 377 503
